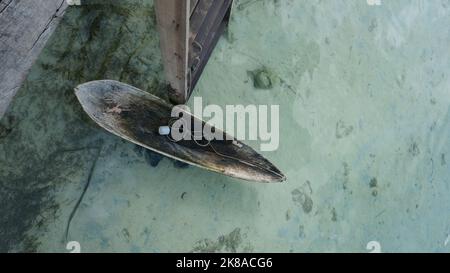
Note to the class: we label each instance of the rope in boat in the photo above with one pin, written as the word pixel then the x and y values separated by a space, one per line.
pixel 170 125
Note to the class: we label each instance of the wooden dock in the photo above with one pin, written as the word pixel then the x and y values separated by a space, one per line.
pixel 25 27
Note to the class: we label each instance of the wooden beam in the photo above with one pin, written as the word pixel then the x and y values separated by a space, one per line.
pixel 25 27
pixel 208 22
pixel 189 31
pixel 173 25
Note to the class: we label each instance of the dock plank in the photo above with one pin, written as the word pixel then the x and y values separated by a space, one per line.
pixel 25 27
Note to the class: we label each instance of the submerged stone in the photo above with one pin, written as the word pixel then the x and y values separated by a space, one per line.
pixel 263 78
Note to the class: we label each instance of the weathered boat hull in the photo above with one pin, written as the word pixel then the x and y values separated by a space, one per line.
pixel 136 116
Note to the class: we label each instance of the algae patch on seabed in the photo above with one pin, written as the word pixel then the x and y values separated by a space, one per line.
pixel 225 243
pixel 302 198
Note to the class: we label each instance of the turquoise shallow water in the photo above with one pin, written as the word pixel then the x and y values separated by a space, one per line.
pixel 364 135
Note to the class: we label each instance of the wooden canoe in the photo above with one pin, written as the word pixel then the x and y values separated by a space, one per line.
pixel 136 116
